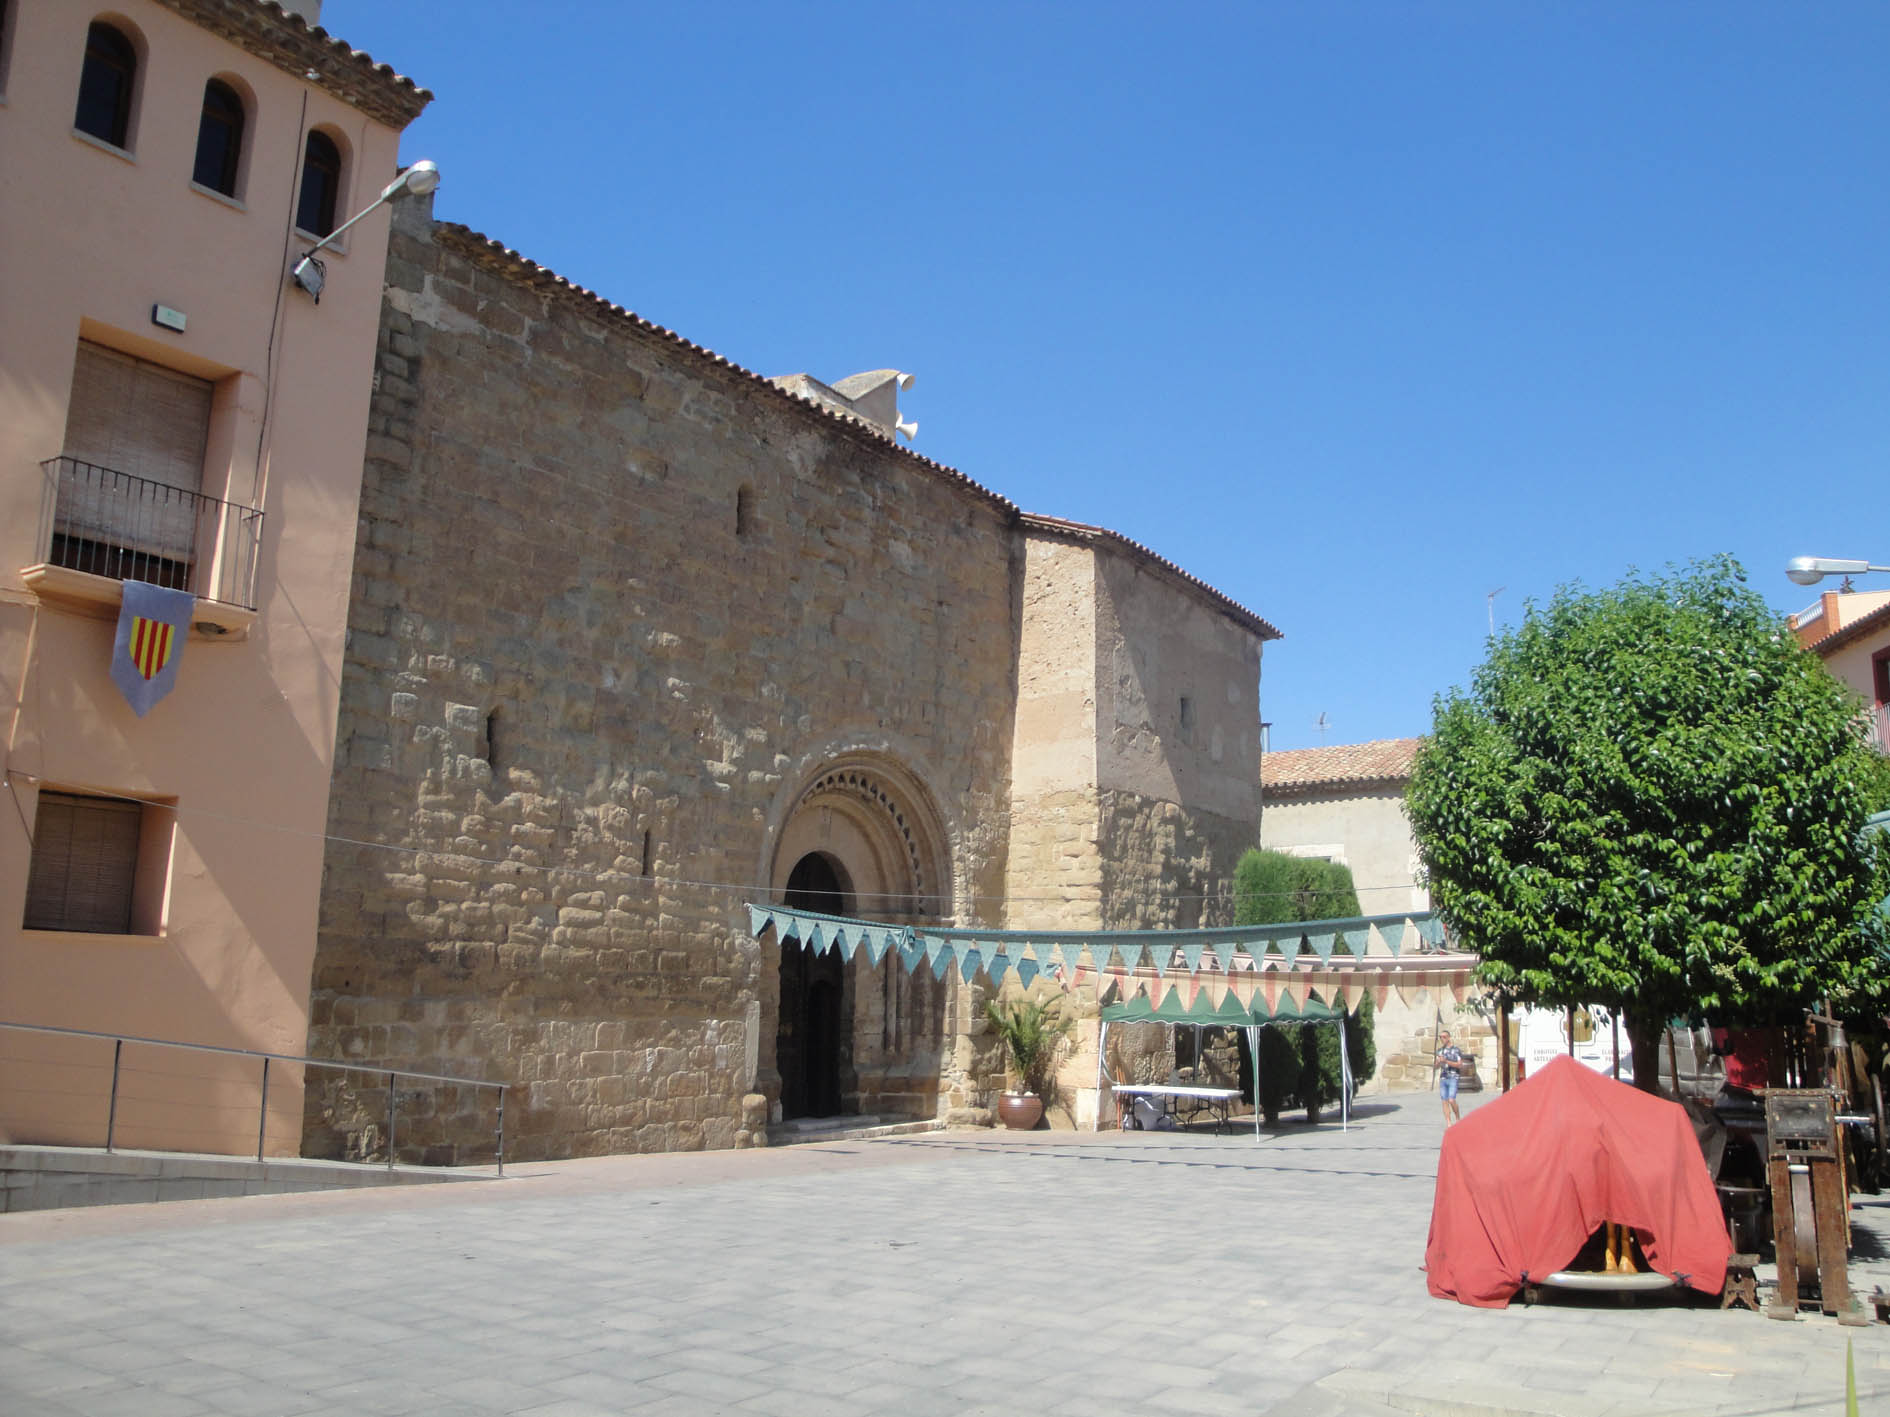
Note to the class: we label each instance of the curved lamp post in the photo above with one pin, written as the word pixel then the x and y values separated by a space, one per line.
pixel 416 181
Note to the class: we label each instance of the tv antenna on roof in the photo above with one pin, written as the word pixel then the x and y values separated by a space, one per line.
pixel 1490 605
pixel 1322 725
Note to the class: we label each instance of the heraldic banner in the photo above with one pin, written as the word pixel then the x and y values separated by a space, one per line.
pixel 152 628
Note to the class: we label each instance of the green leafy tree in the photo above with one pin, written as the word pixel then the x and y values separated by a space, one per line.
pixel 1300 1066
pixel 1270 887
pixel 1650 798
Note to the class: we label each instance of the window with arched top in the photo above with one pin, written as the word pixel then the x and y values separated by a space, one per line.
pixel 105 85
pixel 219 139
pixel 321 185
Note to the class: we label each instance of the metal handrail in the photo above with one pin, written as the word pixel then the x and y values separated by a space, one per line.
pixel 119 1040
pixel 125 527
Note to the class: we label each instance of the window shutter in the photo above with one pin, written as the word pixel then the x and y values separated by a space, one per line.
pixel 85 864
pixel 138 418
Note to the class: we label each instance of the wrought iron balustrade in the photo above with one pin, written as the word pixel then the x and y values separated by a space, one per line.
pixel 110 523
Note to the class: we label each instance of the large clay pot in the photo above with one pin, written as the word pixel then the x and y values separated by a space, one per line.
pixel 1020 1111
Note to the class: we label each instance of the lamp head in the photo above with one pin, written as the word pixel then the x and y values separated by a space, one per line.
pixel 1809 570
pixel 416 181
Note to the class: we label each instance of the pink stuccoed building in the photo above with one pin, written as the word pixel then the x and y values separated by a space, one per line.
pixel 175 409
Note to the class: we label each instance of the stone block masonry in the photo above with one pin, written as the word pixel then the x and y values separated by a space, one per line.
pixel 635 636
pixel 576 689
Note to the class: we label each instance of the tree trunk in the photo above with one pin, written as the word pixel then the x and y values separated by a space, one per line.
pixel 1643 1031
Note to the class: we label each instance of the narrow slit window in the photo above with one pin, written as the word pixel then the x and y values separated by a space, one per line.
pixel 646 852
pixel 492 741
pixel 744 511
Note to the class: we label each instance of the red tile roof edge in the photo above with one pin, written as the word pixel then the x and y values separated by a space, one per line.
pixel 521 268
pixel 286 39
pixel 1856 630
pixel 1380 762
pixel 1083 531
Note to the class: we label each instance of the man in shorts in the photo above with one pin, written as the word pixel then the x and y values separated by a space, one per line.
pixel 1449 1061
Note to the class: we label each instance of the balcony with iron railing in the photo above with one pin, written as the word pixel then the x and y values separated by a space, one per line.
pixel 99 526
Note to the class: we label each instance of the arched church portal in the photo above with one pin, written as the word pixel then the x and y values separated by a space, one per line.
pixel 863 840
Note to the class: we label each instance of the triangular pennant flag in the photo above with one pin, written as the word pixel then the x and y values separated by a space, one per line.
pixel 1431 930
pixel 935 945
pixel 1026 971
pixel 1243 987
pixel 1411 941
pixel 968 963
pixel 1131 954
pixel 1216 986
pixel 1270 985
pixel 1381 990
pixel 814 938
pixel 1375 942
pixel 1189 987
pixel 996 966
pixel 1410 990
pixel 1352 989
pixel 1321 946
pixel 942 961
pixel 1459 986
pixel 1299 985
pixel 1192 953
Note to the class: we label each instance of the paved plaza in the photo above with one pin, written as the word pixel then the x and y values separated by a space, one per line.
pixel 959 1272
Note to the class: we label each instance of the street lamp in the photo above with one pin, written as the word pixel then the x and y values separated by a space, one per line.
pixel 416 181
pixel 1809 570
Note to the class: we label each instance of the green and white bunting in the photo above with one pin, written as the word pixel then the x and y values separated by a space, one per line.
pixel 1112 953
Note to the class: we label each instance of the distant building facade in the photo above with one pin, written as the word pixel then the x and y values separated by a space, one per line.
pixel 636 637
pixel 1850 632
pixel 1345 803
pixel 172 411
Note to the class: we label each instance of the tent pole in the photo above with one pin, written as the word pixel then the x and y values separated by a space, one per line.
pixel 1253 1049
pixel 1345 1078
pixel 1102 1050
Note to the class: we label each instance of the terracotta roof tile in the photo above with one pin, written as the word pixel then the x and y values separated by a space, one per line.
pixel 1386 760
pixel 291 43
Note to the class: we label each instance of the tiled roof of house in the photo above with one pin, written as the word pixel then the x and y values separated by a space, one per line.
pixel 1878 619
pixel 503 260
pixel 1384 761
pixel 291 43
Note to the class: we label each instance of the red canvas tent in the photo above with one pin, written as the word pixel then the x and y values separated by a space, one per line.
pixel 1523 1181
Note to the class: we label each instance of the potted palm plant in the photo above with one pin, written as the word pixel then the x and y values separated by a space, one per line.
pixel 1031 1030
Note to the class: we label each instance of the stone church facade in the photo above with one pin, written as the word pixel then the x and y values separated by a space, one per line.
pixel 636 637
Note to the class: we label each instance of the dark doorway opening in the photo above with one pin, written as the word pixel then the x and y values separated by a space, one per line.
pixel 812 1040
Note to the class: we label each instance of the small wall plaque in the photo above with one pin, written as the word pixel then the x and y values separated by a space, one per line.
pixel 170 319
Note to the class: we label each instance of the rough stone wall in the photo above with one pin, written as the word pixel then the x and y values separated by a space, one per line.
pixel 609 594
pixel 1406 1037
pixel 1166 866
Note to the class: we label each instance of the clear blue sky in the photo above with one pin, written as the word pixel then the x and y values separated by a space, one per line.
pixel 1357 311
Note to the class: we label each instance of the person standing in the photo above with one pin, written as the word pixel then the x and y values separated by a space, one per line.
pixel 1449 1064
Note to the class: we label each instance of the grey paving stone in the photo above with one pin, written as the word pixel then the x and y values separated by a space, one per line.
pixel 876 1277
